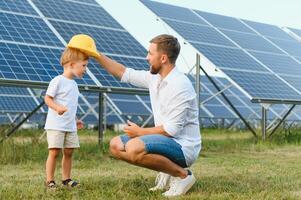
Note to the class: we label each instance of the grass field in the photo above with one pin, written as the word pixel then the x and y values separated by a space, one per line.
pixel 232 165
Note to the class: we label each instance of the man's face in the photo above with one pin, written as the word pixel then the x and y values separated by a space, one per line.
pixel 79 68
pixel 155 59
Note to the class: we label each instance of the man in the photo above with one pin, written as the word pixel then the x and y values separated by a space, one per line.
pixel 175 142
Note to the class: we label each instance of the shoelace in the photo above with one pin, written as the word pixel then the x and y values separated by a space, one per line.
pixel 173 185
pixel 159 179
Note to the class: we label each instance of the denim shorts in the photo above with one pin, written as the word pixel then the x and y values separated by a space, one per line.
pixel 162 145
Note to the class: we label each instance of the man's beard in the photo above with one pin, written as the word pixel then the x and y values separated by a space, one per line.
pixel 154 70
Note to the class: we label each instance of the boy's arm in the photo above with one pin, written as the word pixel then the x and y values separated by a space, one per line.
pixel 51 104
pixel 79 123
pixel 113 67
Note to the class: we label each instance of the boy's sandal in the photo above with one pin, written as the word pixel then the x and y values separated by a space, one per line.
pixel 70 183
pixel 51 185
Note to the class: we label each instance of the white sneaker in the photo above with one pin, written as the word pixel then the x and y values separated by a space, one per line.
pixel 162 182
pixel 180 186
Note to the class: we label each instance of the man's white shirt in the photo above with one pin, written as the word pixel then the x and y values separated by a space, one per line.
pixel 174 106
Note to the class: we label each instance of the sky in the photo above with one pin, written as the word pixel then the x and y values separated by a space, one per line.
pixel 277 12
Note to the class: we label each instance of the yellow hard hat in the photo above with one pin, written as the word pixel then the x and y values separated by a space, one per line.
pixel 84 43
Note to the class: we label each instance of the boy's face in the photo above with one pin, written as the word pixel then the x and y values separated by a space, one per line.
pixel 79 68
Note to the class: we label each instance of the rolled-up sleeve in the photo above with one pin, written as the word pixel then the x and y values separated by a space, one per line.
pixel 138 78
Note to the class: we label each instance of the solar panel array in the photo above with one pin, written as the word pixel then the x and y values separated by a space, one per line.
pixel 260 58
pixel 16 100
pixel 33 35
pixel 30 48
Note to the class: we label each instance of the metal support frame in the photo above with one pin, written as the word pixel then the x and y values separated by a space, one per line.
pixel 281 121
pixel 229 102
pixel 197 84
pixel 15 128
pixel 100 120
pixel 91 88
pixel 264 126
pixel 264 122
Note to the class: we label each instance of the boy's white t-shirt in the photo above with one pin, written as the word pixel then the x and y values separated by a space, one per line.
pixel 64 92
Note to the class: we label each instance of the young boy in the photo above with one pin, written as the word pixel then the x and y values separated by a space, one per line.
pixel 61 123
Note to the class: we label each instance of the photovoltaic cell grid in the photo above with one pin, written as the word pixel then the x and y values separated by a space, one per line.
pixel 108 41
pixel 248 110
pixel 26 29
pixel 288 65
pixel 16 100
pixel 110 37
pixel 76 12
pixel 233 50
pixel 19 6
pixel 296 31
pixel 128 105
pixel 31 51
pixel 25 62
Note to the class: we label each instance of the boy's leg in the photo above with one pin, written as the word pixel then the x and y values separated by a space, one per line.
pixel 51 162
pixel 71 142
pixel 67 163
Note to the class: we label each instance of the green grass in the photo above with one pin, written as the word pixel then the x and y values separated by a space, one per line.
pixel 232 165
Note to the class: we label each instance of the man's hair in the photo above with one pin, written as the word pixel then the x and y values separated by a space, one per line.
pixel 168 45
pixel 72 55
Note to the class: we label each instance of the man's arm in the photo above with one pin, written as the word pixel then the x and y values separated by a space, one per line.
pixel 138 78
pixel 133 130
pixel 113 67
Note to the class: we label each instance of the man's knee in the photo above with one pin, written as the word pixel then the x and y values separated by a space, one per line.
pixel 116 145
pixel 135 149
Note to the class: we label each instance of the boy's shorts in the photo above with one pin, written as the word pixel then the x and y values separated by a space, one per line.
pixel 62 139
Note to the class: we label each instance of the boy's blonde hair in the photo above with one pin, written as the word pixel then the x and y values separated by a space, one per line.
pixel 72 55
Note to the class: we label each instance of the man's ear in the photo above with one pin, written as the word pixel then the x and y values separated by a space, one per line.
pixel 164 58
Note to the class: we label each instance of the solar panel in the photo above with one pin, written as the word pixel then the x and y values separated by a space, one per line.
pixel 4 119
pixel 129 104
pixel 230 58
pixel 173 12
pixel 85 1
pixel 281 64
pixel 293 47
pixel 16 100
pixel 235 61
pixel 224 22
pixel 251 41
pixel 23 62
pixel 263 84
pixel 198 33
pixel 26 29
pixel 107 40
pixel 76 12
pixel 30 50
pixel 296 31
pixel 19 6
pixel 268 30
